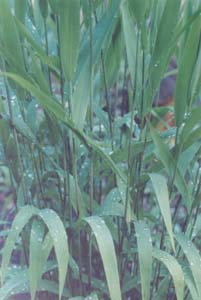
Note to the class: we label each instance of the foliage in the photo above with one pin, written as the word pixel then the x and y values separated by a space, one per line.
pixel 100 189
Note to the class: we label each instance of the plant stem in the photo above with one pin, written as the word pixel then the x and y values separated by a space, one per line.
pixel 130 143
pixel 47 52
pixel 91 131
pixel 91 106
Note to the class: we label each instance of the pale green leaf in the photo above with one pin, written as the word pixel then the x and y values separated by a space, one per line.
pixel 175 270
pixel 107 252
pixel 164 154
pixel 161 190
pixel 144 244
pixel 59 239
pixel 186 66
pixel 21 219
pixel 193 257
pixel 69 14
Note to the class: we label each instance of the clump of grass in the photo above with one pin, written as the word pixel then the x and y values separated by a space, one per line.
pixel 101 186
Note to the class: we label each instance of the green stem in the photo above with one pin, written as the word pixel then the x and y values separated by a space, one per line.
pixel 91 107
pixel 129 145
pixel 47 52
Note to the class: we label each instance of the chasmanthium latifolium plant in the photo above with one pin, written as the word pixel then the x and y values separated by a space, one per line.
pixel 100 149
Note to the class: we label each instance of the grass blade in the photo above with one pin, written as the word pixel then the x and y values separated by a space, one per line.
pixel 69 14
pixel 161 190
pixel 21 219
pixel 167 159
pixel 186 67
pixel 107 252
pixel 175 270
pixel 9 33
pixel 144 244
pixel 60 243
pixel 36 261
pixel 193 258
pixel 129 30
pixel 38 258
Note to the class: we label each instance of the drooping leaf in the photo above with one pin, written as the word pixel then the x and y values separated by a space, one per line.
pixel 36 257
pixel 59 240
pixel 21 219
pixel 164 154
pixel 40 247
pixel 107 252
pixel 144 244
pixel 175 270
pixel 193 257
pixel 161 190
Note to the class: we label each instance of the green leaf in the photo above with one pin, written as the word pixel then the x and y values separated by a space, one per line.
pixel 59 239
pixel 4 132
pixel 175 270
pixel 56 109
pixel 161 190
pixel 9 33
pixel 20 9
pixel 21 219
pixel 101 33
pixel 81 98
pixel 164 154
pixel 113 54
pixel 17 282
pixel 47 60
pixel 162 289
pixel 190 283
pixel 162 49
pixel 192 121
pixel 111 205
pixel 139 9
pixel 193 257
pixel 186 67
pixel 129 30
pixel 107 252
pixel 38 20
pixel 165 28
pixel 144 244
pixel 36 261
pixel 80 210
pixel 69 35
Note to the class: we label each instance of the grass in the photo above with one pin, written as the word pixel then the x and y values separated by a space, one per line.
pixel 100 186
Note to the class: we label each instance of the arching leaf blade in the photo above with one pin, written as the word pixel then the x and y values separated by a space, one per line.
pixel 162 195
pixel 144 244
pixel 107 252
pixel 175 270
